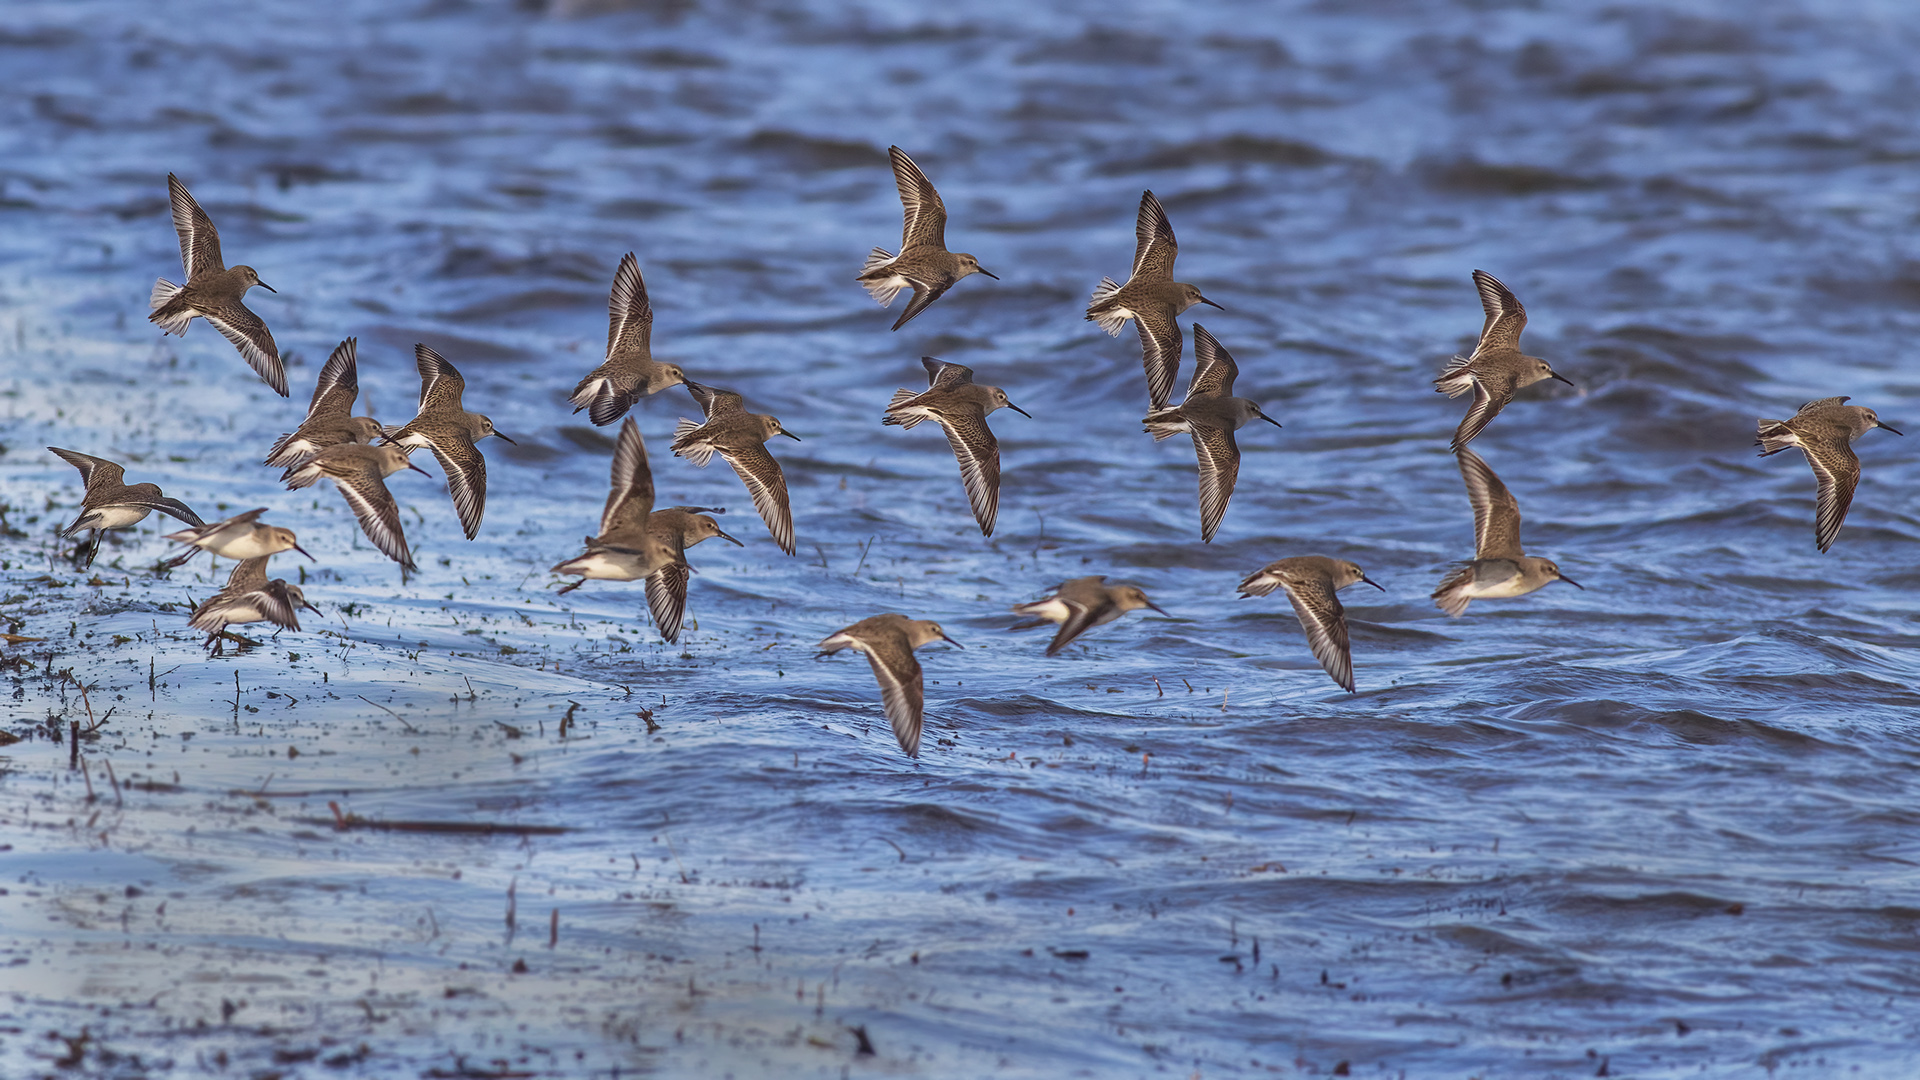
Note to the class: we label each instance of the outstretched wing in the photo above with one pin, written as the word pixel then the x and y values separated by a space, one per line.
pixel 1214 371
pixel 440 382
pixel 924 293
pixel 1159 352
pixel 667 599
pixel 979 455
pixel 925 215
pixel 94 472
pixel 944 376
pixel 1837 469
pixel 199 241
pixel 1505 317
pixel 630 495
pixel 379 516
pixel 715 401
pixel 902 695
pixel 629 314
pixel 339 383
pixel 1219 459
pixel 466 470
pixel 249 334
pixel 173 508
pixel 1496 516
pixel 1154 245
pixel 1489 397
pixel 768 486
pixel 1325 622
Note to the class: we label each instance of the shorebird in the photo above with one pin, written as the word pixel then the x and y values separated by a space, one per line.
pixel 249 597
pixel 1080 605
pixel 1496 368
pixel 238 537
pixel 959 405
pixel 450 431
pixel 679 527
pixel 213 291
pixel 888 641
pixel 924 263
pixel 330 420
pixel 624 550
pixel 1151 298
pixel 1499 568
pixel 737 435
pixel 1211 414
pixel 1311 582
pixel 629 372
pixel 110 503
pixel 1822 430
pixel 360 474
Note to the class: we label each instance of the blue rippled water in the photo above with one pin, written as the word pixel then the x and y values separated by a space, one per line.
pixel 1660 827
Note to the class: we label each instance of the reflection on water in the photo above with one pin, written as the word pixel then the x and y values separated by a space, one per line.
pixel 1657 827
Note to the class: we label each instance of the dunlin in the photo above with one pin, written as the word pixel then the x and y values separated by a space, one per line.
pixel 1497 367
pixel 629 372
pixel 1311 582
pixel 1151 298
pixel 238 537
pixel 1499 568
pixel 111 503
pixel 360 474
pixel 1211 414
pixel 330 420
pixel 249 597
pixel 889 641
pixel 679 527
pixel 1822 430
pixel 624 550
pixel 450 431
pixel 1080 605
pixel 924 263
pixel 213 292
pixel 737 435
pixel 958 404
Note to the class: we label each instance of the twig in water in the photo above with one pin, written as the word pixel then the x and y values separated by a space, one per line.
pixel 1157 686
pixel 115 781
pixel 511 904
pixel 822 552
pixel 894 846
pixel 553 929
pixel 676 860
pixel 89 779
pixel 384 709
pixel 864 549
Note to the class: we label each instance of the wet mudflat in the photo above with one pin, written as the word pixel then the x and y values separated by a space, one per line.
pixel 464 826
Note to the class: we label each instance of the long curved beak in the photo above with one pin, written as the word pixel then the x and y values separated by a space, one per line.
pixel 1562 378
pixel 791 435
pixel 418 469
pixel 305 552
pixel 1029 415
pixel 1210 303
pixel 503 438
pixel 1269 419
pixel 1573 583
pixel 1158 608
pixel 266 286
pixel 311 608
pixel 1890 429
pixel 1373 583
pixel 987 272
pixel 951 642
pixel 724 536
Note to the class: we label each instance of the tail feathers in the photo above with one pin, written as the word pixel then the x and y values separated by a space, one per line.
pixel 174 322
pixel 1259 583
pixel 1165 424
pixel 903 420
pixel 300 475
pixel 1111 319
pixel 584 393
pixel 880 284
pixel 876 259
pixel 700 453
pixel 277 455
pixel 1451 596
pixel 1775 436
pixel 1455 379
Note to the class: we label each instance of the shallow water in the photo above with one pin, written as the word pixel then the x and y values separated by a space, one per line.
pixel 1663 826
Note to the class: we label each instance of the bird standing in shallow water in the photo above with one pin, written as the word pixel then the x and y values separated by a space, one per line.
pixel 1080 605
pixel 1151 298
pixel 629 372
pixel 1211 414
pixel 110 503
pixel 330 420
pixel 739 437
pixel 249 597
pixel 960 406
pixel 888 642
pixel 213 291
pixel 1499 568
pixel 449 430
pixel 1311 582
pixel 1823 430
pixel 924 263
pixel 1496 368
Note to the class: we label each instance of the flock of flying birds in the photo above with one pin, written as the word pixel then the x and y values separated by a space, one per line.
pixel 638 542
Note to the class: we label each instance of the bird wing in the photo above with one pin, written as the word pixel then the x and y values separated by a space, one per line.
pixel 440 382
pixel 1154 245
pixel 1505 317
pixel 1496 516
pixel 1325 622
pixel 902 695
pixel 173 508
pixel 1219 459
pixel 629 314
pixel 199 241
pixel 630 495
pixel 667 599
pixel 924 293
pixel 466 470
pixel 276 605
pixel 339 383
pixel 715 401
pixel 247 575
pixel 94 472
pixel 379 516
pixel 944 376
pixel 768 486
pixel 979 455
pixel 925 215
pixel 1488 400
pixel 1213 368
pixel 1160 343
pixel 1081 615
pixel 1824 402
pixel 1838 469
pixel 250 335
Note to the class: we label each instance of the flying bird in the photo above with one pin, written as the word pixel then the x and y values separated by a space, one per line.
pixel 1823 430
pixel 888 642
pixel 1311 582
pixel 449 430
pixel 213 291
pixel 924 263
pixel 1499 569
pixel 1496 368
pixel 238 537
pixel 1080 605
pixel 960 406
pixel 1211 414
pixel 249 597
pixel 629 372
pixel 111 503
pixel 1151 298
pixel 739 436
pixel 359 473
pixel 330 420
